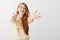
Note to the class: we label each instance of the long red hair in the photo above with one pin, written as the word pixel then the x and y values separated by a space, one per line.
pixel 24 19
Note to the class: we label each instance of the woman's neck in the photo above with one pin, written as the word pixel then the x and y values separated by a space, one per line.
pixel 20 15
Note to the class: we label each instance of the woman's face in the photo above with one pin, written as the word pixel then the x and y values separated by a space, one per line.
pixel 21 9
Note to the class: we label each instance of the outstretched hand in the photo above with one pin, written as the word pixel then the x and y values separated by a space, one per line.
pixel 13 19
pixel 36 15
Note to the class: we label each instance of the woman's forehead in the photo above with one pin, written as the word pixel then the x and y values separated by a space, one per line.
pixel 22 5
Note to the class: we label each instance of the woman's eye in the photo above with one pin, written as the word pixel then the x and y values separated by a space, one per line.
pixel 25 8
pixel 20 7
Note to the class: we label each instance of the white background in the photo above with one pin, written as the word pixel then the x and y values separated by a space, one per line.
pixel 46 28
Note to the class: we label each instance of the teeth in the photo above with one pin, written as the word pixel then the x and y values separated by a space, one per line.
pixel 22 11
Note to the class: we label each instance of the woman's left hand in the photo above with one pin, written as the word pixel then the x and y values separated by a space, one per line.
pixel 36 15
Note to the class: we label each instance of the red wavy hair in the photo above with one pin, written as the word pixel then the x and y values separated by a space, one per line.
pixel 24 19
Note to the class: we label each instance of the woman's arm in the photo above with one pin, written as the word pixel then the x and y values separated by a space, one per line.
pixel 30 19
pixel 35 16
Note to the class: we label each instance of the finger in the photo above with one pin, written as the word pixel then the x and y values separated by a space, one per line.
pixel 14 14
pixel 38 17
pixel 13 17
pixel 35 12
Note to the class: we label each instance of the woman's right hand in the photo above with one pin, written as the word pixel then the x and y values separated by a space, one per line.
pixel 13 18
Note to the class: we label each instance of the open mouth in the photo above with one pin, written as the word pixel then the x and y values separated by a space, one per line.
pixel 21 11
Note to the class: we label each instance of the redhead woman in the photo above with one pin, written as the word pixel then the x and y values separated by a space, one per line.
pixel 22 19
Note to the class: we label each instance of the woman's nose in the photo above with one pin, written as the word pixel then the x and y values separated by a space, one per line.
pixel 22 8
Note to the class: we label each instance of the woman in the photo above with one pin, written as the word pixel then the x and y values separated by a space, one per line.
pixel 22 19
